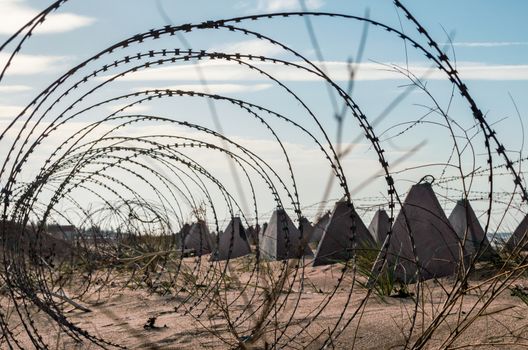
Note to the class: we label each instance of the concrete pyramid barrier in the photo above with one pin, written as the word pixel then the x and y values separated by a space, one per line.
pixel 198 240
pixel 319 228
pixel 252 233
pixel 466 225
pixel 180 236
pixel 436 243
pixel 340 239
pixel 519 238
pixel 282 240
pixel 233 242
pixel 379 226
pixel 307 229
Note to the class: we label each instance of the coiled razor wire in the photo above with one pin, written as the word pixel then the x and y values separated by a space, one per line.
pixel 141 236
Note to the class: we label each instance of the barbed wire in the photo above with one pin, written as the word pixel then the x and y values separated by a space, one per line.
pixel 115 204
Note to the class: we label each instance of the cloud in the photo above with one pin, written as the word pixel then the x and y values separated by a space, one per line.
pixel 494 72
pixel 338 71
pixel 254 46
pixel 137 108
pixel 6 89
pixel 30 64
pixel 287 5
pixel 304 157
pixel 9 111
pixel 20 14
pixel 489 43
pixel 213 88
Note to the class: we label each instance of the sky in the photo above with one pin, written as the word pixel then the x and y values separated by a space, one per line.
pixel 487 39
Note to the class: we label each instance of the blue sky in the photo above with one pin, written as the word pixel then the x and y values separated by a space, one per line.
pixel 490 43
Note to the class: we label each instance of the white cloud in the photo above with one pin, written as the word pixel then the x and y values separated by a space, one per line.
pixel 494 72
pixel 338 71
pixel 20 13
pixel 254 46
pixel 212 88
pixel 6 89
pixel 9 111
pixel 137 108
pixel 304 157
pixel 287 5
pixel 489 43
pixel 30 64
